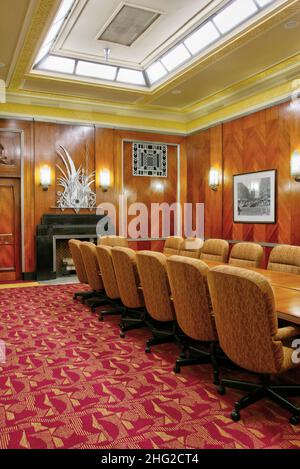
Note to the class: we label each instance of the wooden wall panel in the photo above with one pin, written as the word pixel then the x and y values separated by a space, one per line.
pixel 260 141
pixel 204 150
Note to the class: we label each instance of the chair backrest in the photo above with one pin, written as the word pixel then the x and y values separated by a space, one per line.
pixel 74 246
pixel 109 280
pixel 188 280
pixel 155 284
pixel 191 247
pixel 124 261
pixel 285 258
pixel 246 255
pixel 89 256
pixel 215 250
pixel 244 307
pixel 172 245
pixel 113 240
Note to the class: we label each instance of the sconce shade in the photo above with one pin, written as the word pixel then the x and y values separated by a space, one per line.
pixel 295 165
pixel 104 178
pixel 213 179
pixel 45 177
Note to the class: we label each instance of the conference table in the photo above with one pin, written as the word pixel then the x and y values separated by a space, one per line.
pixel 286 289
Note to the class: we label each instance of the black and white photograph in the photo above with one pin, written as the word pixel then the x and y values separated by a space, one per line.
pixel 254 197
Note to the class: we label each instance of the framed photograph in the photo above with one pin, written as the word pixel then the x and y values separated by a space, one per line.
pixel 254 197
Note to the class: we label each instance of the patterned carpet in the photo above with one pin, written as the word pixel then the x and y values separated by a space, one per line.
pixel 71 382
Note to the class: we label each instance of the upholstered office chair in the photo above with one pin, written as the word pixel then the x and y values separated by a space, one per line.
pixel 188 280
pixel 172 245
pixel 131 294
pixel 156 290
pixel 191 247
pixel 113 240
pixel 285 258
pixel 246 255
pixel 215 250
pixel 247 326
pixel 89 257
pixel 109 280
pixel 74 246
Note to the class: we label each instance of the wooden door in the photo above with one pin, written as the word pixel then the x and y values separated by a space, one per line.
pixel 10 229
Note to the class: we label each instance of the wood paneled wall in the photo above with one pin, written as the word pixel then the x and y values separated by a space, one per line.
pixel 260 141
pixel 40 140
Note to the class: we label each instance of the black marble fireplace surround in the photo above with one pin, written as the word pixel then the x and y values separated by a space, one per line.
pixel 60 226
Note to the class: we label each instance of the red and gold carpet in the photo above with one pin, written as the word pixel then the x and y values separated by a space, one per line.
pixel 70 382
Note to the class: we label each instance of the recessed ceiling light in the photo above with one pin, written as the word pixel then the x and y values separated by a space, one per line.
pixel 292 24
pixel 90 69
pixel 127 75
pixel 234 14
pixel 175 57
pixel 2 64
pixel 156 71
pixel 201 38
pixel 176 92
pixel 58 64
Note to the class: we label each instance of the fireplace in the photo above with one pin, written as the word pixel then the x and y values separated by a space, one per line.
pixel 53 234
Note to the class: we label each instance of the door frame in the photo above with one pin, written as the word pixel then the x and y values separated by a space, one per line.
pixel 21 178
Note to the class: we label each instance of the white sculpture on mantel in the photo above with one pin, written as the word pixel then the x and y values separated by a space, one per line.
pixel 77 192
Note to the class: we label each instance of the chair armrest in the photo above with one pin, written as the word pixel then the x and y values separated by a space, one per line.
pixel 287 332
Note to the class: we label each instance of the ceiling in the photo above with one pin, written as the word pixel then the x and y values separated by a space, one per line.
pixel 262 57
pixel 79 38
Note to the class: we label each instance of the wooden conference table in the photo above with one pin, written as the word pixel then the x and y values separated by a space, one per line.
pixel 286 290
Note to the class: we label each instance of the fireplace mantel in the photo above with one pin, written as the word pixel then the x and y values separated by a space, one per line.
pixel 60 226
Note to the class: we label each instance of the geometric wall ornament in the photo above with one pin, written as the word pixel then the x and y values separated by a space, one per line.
pixel 77 192
pixel 149 159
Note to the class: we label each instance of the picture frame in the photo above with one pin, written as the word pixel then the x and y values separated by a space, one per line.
pixel 254 197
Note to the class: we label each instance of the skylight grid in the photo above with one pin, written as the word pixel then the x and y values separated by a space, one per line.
pixel 234 14
pixel 58 64
pixel 175 57
pixel 156 71
pixel 134 77
pixel 90 69
pixel 201 38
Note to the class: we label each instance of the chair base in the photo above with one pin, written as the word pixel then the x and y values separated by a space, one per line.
pixel 202 358
pixel 257 391
pixel 84 295
pixel 115 311
pixel 132 319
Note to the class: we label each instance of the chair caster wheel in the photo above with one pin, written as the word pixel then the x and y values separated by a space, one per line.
pixel 221 390
pixel 217 382
pixel 93 310
pixel 122 335
pixel 235 415
pixel 176 369
pixel 75 297
pixel 100 318
pixel 148 349
pixel 182 355
pixel 294 420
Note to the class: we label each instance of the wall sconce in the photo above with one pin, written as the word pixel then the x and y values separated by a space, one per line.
pixel 45 177
pixel 104 178
pixel 213 179
pixel 295 165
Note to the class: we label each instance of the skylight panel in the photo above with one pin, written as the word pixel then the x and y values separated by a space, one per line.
pixel 234 14
pixel 58 64
pixel 202 38
pixel 90 69
pixel 127 75
pixel 155 72
pixel 175 57
pixel 264 3
pixel 64 9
